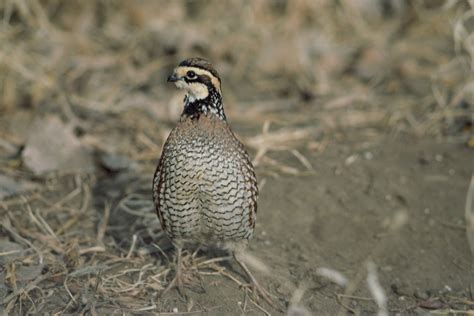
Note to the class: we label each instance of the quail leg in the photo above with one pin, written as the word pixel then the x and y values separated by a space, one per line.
pixel 177 281
pixel 256 287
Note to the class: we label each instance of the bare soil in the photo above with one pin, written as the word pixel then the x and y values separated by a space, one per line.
pixel 342 216
pixel 395 201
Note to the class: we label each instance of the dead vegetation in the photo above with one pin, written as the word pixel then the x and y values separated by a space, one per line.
pixel 78 231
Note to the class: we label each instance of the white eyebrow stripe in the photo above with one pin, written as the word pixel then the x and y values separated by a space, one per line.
pixel 182 70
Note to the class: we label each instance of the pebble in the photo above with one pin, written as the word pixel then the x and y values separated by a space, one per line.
pixel 10 187
pixel 422 295
pixel 368 155
pixel 350 160
pixel 401 288
pixel 115 162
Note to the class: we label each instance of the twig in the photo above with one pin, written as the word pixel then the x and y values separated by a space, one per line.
pixel 194 312
pixel 92 249
pixel 452 312
pixel 339 300
pixel 132 247
pixel 82 210
pixel 304 161
pixel 103 225
pixel 25 289
pixel 7 253
pixel 263 310
pixel 161 251
pixel 67 198
pixel 451 225
pixel 68 291
pixel 353 297
pixel 214 260
pixel 46 226
pixel 7 225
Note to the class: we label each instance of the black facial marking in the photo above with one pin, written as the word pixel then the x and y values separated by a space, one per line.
pixel 211 105
pixel 201 64
pixel 201 79
pixel 206 80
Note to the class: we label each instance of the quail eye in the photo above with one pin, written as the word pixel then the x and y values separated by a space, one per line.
pixel 191 74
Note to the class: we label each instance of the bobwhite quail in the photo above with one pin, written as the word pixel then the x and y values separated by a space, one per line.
pixel 204 188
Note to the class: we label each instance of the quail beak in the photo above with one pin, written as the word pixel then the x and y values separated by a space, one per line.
pixel 173 78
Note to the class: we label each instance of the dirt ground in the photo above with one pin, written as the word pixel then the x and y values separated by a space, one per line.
pixel 358 119
pixel 395 201
pixel 343 215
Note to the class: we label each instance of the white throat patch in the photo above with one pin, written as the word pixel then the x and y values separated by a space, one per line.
pixel 195 90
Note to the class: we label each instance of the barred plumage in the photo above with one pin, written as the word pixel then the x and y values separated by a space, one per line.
pixel 205 188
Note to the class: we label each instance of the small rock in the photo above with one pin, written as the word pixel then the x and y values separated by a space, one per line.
pixel 422 295
pixel 373 62
pixel 115 162
pixel 296 310
pixel 351 159
pixel 401 289
pixel 53 146
pixel 431 304
pixel 422 160
pixel 143 252
pixel 303 257
pixel 368 155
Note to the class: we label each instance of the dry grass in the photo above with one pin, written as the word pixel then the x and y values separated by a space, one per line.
pixel 96 59
pixel 88 268
pixel 293 73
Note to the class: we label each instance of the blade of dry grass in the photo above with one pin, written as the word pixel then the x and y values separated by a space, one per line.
pixel 469 214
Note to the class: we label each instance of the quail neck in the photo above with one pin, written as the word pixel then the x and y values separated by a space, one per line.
pixel 210 105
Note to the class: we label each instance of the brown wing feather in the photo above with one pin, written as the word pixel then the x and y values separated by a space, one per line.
pixel 253 179
pixel 157 184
